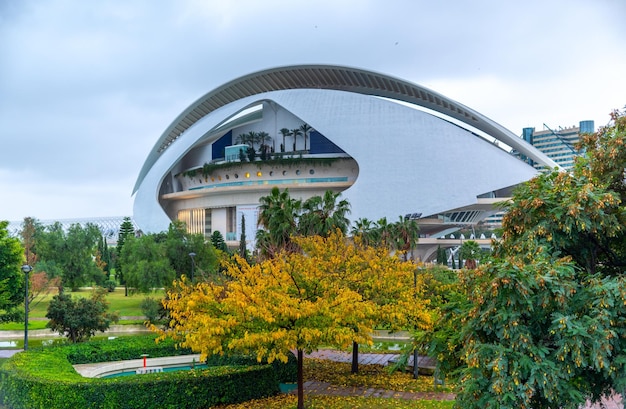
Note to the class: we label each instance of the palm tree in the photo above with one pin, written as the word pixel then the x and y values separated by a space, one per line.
pixel 242 139
pixel 278 217
pixel 295 133
pixel 364 228
pixel 383 233
pixel 253 137
pixel 247 138
pixel 405 235
pixel 306 129
pixel 284 132
pixel 470 252
pixel 322 215
pixel 263 137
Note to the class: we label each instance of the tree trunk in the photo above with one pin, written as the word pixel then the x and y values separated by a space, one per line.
pixel 415 364
pixel 355 357
pixel 300 380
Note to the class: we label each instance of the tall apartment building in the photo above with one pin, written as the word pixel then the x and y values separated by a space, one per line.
pixel 558 145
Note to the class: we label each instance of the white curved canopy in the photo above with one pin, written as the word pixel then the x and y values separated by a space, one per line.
pixel 334 78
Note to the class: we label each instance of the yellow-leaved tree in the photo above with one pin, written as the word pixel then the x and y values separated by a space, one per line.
pixel 329 294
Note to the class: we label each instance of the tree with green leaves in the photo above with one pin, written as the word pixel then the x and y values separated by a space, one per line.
pixel 285 133
pixel 217 239
pixel 179 244
pixel 470 252
pixel 322 215
pixel 306 130
pixel 278 219
pixel 264 139
pixel 295 133
pixel 243 250
pixel 70 254
pixel 441 256
pixel 365 230
pixel 80 318
pixel 547 323
pixel 11 277
pixel 146 265
pixel 404 235
pixel 127 229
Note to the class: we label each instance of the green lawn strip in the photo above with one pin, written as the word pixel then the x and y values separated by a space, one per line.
pixel 126 306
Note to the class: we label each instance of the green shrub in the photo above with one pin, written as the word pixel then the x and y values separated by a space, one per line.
pixel 152 309
pixel 121 349
pixel 45 378
pixel 110 285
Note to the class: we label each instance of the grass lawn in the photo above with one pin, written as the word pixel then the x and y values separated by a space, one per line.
pixel 126 307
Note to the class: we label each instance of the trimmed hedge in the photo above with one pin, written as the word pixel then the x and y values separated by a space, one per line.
pixel 45 378
pixel 121 349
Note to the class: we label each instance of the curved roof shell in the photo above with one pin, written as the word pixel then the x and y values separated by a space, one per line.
pixel 409 161
pixel 332 77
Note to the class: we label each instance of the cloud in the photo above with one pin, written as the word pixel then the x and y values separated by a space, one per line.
pixel 87 88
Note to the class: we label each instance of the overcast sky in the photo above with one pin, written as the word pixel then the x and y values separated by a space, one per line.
pixel 87 87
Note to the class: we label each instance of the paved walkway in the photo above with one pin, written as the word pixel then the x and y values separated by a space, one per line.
pixel 323 388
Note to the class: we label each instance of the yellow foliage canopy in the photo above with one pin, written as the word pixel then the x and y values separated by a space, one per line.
pixel 333 293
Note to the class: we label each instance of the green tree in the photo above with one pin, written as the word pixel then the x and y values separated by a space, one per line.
pixel 284 132
pixel 11 276
pixel 243 251
pixel 441 256
pixel 305 129
pixel 470 252
pixel 79 318
pixel 217 239
pixel 71 254
pixel 404 235
pixel 246 138
pixel 447 295
pixel 146 265
pixel 295 133
pixel 548 319
pixel 264 139
pixel 278 219
pixel 127 229
pixel 322 215
pixel 365 230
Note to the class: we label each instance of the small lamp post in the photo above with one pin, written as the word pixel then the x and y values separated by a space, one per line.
pixel 26 269
pixel 193 264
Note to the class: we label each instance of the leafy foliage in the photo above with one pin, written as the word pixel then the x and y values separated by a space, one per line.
pixel 79 319
pixel 330 294
pixel 548 322
pixel 282 218
pixel 11 277
pixel 45 379
pixel 70 255
pixel 146 266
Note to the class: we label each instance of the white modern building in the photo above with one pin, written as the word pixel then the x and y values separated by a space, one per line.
pixel 391 147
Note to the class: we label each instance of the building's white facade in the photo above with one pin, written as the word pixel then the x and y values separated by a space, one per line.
pixel 390 157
